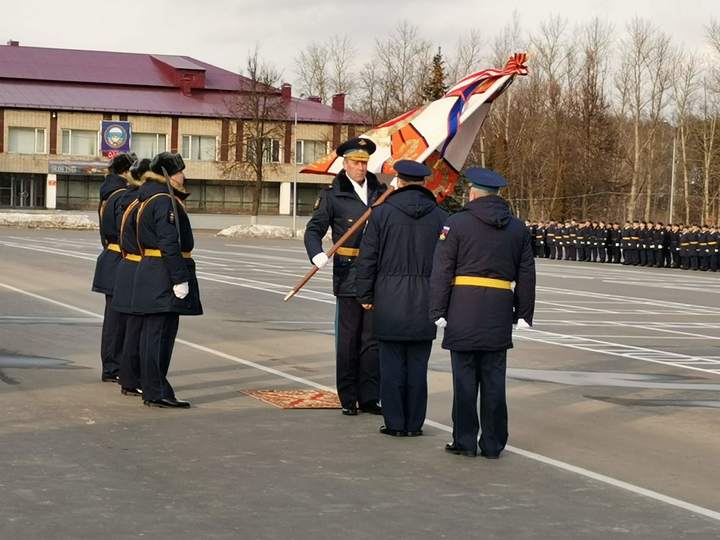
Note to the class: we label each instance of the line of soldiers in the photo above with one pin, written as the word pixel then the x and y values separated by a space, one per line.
pixel 637 243
pixel 146 273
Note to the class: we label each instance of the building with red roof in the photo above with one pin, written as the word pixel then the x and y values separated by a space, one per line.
pixel 53 103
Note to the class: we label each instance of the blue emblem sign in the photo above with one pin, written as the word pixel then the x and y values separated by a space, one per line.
pixel 115 138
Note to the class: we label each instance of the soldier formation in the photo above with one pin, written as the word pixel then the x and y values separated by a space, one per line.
pixel 637 243
pixel 146 273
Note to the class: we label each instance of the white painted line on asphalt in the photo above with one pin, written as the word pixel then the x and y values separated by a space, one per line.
pixel 265 248
pixel 264 289
pixel 635 337
pixel 634 352
pixel 631 299
pixel 557 339
pixel 580 471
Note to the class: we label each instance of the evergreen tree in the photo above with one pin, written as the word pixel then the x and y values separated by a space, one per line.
pixel 435 87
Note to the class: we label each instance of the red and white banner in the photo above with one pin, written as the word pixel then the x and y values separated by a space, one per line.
pixel 439 134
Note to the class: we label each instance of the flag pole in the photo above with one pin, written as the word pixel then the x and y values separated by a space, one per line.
pixel 341 241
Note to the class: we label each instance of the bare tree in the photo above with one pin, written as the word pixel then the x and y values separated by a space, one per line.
pixel 260 111
pixel 685 87
pixel 643 82
pixel 708 130
pixel 467 56
pixel 340 56
pixel 312 69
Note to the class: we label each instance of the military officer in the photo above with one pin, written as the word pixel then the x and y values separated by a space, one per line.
pixel 393 280
pixel 351 193
pixel 675 245
pixel 615 241
pixel 165 285
pixel 540 240
pixel 482 250
pixel 113 328
pixel 551 240
pixel 572 242
pixel 714 245
pixel 124 278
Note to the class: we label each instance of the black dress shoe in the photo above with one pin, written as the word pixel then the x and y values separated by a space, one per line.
pixel 392 432
pixel 131 391
pixel 417 433
pixel 168 403
pixel 488 455
pixel 451 448
pixel 371 408
pixel 110 378
pixel 350 411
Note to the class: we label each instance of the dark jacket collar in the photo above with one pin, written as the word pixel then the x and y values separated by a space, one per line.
pixel 415 201
pixel 148 189
pixel 343 185
pixel 112 182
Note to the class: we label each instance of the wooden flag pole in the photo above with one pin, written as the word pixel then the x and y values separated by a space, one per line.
pixel 341 241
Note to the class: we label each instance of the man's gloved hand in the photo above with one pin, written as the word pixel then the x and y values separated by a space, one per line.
pixel 441 322
pixel 320 260
pixel 521 325
pixel 181 290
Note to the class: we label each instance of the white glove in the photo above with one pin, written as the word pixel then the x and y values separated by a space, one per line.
pixel 320 260
pixel 441 322
pixel 521 325
pixel 181 290
pixel 394 183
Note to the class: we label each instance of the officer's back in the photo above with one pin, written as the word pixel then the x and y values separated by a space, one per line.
pixel 408 224
pixel 490 243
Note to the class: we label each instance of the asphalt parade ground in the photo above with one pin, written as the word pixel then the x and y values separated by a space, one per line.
pixel 614 404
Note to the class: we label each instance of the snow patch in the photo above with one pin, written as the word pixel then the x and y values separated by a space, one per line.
pixel 47 221
pixel 259 231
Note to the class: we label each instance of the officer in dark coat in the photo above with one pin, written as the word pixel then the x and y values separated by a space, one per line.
pixel 540 240
pixel 551 240
pixel 615 241
pixel 573 241
pixel 675 245
pixel 339 206
pixel 165 285
pixel 393 280
pixel 482 250
pixel 113 328
pixel 124 279
pixel 714 246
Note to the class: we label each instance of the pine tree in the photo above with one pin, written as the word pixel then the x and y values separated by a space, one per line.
pixel 435 87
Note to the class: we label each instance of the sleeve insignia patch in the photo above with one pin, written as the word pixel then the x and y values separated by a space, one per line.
pixel 443 234
pixel 171 217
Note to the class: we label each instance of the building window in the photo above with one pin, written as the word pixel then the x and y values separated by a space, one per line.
pixel 199 147
pixel 26 140
pixel 79 142
pixel 270 150
pixel 148 145
pixel 309 151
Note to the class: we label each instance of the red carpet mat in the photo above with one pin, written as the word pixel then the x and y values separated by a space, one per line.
pixel 297 399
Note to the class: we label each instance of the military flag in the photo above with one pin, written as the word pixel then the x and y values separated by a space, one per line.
pixel 439 134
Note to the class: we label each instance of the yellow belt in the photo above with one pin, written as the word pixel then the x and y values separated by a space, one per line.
pixel 348 252
pixel 113 247
pixel 482 282
pixel 132 257
pixel 158 253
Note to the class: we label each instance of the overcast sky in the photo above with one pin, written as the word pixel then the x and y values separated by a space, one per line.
pixel 221 32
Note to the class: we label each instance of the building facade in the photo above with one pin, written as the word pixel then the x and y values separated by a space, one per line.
pixel 52 103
